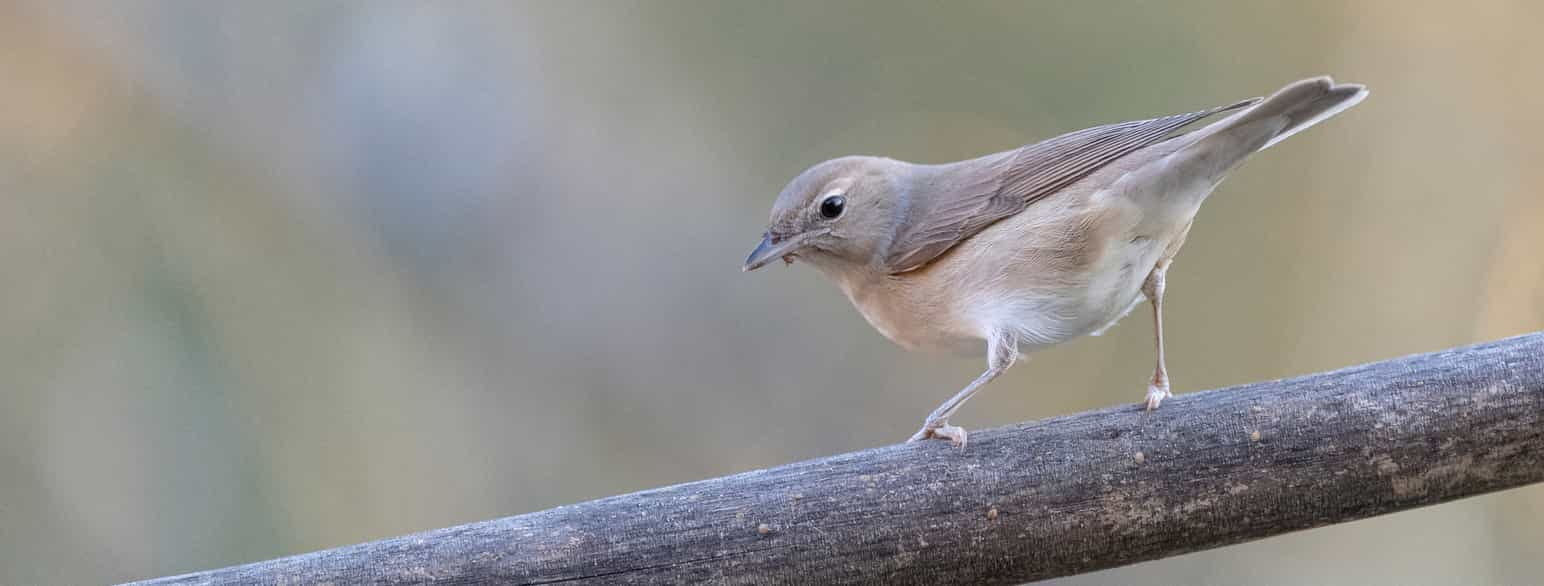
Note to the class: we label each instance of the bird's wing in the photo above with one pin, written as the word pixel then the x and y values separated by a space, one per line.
pixel 964 198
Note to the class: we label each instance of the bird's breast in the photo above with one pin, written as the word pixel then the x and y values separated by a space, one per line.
pixel 915 311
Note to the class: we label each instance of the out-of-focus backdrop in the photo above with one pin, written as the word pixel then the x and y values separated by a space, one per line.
pixel 281 276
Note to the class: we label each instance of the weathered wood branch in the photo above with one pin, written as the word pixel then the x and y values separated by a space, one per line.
pixel 1024 502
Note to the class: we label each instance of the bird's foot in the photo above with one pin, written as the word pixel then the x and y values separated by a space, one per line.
pixel 941 430
pixel 1156 393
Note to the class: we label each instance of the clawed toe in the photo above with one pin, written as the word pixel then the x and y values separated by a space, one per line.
pixel 1156 394
pixel 954 433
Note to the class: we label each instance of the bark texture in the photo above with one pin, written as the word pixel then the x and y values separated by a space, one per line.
pixel 1023 502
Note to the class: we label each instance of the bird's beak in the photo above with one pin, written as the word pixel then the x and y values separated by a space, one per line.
pixel 769 251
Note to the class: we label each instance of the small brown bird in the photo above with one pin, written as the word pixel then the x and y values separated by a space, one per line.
pixel 1028 247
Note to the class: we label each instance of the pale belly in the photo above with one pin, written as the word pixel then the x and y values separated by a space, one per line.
pixel 1044 316
pixel 958 320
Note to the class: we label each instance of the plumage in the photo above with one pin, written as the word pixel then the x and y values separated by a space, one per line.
pixel 967 196
pixel 1028 247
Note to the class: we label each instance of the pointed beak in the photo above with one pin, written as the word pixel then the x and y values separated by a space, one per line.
pixel 769 251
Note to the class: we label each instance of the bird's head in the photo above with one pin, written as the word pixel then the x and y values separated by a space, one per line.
pixel 838 215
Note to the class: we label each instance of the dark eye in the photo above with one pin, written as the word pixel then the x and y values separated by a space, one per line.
pixel 832 206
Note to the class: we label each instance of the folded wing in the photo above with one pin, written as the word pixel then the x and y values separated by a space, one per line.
pixel 966 197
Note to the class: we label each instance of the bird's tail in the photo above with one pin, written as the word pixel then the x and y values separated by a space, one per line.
pixel 1186 172
pixel 1291 110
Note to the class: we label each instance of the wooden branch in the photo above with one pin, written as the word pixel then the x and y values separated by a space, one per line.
pixel 1024 502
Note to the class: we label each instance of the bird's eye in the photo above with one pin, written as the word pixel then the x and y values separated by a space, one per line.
pixel 832 206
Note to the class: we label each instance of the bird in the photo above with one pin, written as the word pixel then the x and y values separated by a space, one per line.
pixel 1018 250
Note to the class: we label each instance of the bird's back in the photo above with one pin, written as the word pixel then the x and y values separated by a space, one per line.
pixel 1074 261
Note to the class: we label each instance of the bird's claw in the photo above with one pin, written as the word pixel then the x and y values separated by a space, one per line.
pixel 1156 394
pixel 954 433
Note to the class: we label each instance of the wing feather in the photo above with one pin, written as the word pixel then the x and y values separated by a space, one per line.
pixel 964 198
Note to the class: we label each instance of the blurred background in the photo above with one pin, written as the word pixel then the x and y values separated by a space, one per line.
pixel 282 276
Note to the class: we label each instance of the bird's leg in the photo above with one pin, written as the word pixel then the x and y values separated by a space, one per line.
pixel 1001 351
pixel 1158 388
